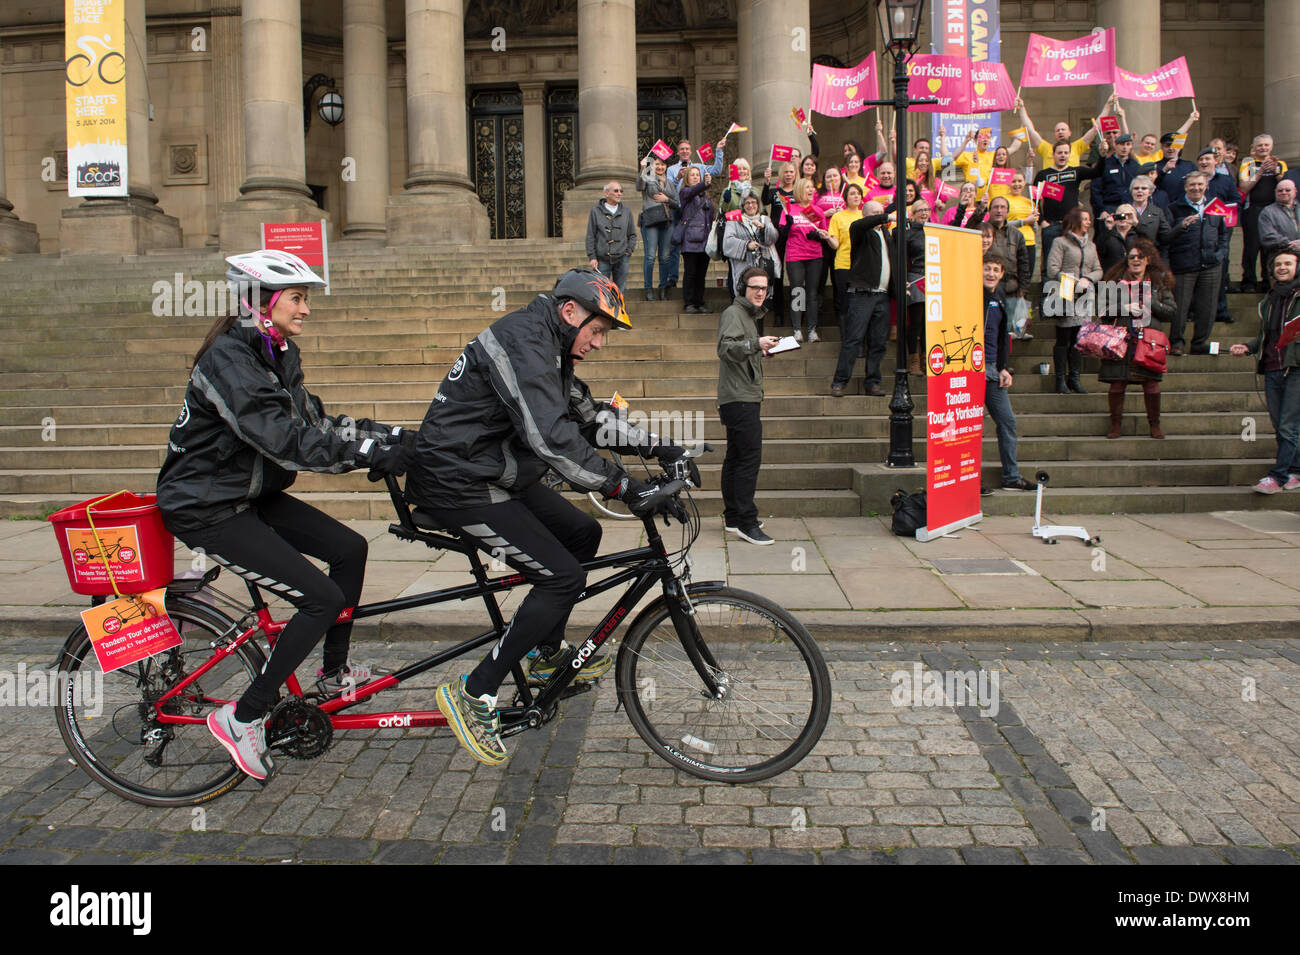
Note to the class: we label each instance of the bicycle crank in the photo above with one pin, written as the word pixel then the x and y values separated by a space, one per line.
pixel 298 729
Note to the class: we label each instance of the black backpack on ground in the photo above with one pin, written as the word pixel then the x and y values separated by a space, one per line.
pixel 909 512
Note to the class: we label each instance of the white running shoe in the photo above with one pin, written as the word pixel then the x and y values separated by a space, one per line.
pixel 245 742
pixel 798 335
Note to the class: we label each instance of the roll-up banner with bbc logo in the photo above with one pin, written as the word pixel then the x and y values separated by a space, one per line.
pixel 954 374
pixel 95 84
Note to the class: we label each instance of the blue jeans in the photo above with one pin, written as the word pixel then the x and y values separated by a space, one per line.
pixel 998 404
pixel 1282 393
pixel 1051 233
pixel 658 240
pixel 616 270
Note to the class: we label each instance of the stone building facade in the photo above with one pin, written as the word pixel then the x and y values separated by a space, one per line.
pixel 471 119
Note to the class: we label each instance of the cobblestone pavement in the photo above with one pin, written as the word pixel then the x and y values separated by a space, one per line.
pixel 1108 753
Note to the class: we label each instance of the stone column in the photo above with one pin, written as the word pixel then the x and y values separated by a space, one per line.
pixel 15 234
pixel 1281 77
pixel 1137 49
pixel 606 108
pixel 745 76
pixel 365 127
pixel 226 146
pixel 438 203
pixel 781 76
pixel 534 95
pixel 275 184
pixel 134 224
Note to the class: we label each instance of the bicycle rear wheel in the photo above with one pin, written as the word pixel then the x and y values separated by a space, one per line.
pixel 108 720
pixel 775 687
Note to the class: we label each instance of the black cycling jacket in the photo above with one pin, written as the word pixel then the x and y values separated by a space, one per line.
pixel 247 424
pixel 509 409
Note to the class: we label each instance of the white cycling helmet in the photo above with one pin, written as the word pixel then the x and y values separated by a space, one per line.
pixel 271 269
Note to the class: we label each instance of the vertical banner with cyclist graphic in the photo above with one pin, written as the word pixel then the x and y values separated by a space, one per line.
pixel 954 338
pixel 128 629
pixel 95 75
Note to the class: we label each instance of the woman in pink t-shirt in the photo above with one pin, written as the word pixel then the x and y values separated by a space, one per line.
pixel 966 213
pixel 804 224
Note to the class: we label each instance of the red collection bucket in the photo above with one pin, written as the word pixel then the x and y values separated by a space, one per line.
pixel 115 544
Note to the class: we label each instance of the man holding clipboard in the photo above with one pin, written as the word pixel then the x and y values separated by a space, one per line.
pixel 741 350
pixel 1278 357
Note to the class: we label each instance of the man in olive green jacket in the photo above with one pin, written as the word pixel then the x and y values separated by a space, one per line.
pixel 740 393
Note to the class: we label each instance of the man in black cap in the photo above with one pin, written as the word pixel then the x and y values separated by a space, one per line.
pixel 1172 170
pixel 1114 175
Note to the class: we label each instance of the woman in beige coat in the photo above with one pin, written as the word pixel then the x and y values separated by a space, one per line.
pixel 1073 271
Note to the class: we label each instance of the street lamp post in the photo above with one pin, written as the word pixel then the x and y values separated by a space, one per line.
pixel 900 24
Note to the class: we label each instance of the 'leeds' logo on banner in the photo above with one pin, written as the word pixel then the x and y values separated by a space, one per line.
pixel 98 175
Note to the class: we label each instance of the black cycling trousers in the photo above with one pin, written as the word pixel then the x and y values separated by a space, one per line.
pixel 266 544
pixel 546 539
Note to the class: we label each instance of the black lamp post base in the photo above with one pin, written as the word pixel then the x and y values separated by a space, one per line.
pixel 900 423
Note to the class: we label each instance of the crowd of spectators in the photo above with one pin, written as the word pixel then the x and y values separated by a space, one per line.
pixel 1155 224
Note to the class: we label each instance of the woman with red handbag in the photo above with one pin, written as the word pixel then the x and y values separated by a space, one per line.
pixel 1139 290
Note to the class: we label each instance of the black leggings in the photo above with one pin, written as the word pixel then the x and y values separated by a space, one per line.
pixel 696 266
pixel 266 544
pixel 546 539
pixel 1066 337
pixel 916 329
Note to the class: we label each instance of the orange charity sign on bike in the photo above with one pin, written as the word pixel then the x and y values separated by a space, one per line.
pixel 96 551
pixel 128 629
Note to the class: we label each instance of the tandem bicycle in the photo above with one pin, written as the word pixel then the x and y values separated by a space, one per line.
pixel 723 684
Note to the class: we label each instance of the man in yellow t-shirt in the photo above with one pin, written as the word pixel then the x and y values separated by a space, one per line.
pixel 1078 148
pixel 976 165
pixel 1148 150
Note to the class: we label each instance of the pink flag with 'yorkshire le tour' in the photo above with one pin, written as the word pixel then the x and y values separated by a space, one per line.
pixel 946 78
pixel 837 92
pixel 991 90
pixel 1085 61
pixel 1171 81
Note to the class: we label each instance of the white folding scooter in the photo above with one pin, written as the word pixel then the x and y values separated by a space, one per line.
pixel 1051 532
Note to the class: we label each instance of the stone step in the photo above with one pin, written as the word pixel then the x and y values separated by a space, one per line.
pixel 1065 409
pixel 72 389
pixel 375 506
pixel 875 483
pixel 775 475
pixel 131 429
pixel 1134 459
pixel 1070 506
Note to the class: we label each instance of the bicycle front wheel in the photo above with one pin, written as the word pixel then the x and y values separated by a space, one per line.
pixel 774 691
pixel 108 720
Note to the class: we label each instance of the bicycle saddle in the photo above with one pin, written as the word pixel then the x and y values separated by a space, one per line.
pixel 426 521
